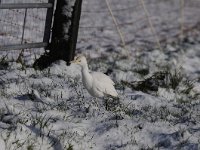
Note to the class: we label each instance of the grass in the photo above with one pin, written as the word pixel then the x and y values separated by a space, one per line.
pixel 30 147
pixel 151 24
pixel 111 113
pixel 175 78
pixel 3 63
pixel 39 129
pixel 117 109
pixel 70 147
pixel 149 84
pixel 162 79
pixel 118 28
pixel 182 16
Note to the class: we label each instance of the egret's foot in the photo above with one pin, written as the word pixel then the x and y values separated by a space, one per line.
pixel 111 103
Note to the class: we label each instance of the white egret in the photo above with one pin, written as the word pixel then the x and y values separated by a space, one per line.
pixel 96 83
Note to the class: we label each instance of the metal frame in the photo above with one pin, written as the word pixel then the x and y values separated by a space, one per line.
pixel 25 5
pixel 23 46
pixel 48 22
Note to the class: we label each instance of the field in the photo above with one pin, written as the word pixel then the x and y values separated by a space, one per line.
pixel 151 50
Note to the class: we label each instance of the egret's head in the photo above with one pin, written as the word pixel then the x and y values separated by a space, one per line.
pixel 80 60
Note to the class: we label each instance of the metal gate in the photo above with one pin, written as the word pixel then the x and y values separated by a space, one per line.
pixel 20 41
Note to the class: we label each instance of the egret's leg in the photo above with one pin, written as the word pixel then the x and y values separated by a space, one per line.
pixel 106 103
pixel 111 102
pixel 95 102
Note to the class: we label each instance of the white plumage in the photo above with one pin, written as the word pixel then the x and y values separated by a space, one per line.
pixel 97 83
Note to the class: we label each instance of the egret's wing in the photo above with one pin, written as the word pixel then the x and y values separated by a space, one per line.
pixel 102 77
pixel 98 87
pixel 103 84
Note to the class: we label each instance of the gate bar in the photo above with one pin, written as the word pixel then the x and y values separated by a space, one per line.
pixel 23 46
pixel 25 5
pixel 48 22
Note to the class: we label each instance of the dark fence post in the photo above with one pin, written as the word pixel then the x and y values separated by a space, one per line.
pixel 65 30
pixel 64 33
pixel 73 32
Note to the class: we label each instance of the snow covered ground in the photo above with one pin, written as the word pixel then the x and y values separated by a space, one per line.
pixel 159 91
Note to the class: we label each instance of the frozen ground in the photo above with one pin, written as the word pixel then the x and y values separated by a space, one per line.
pixel 159 91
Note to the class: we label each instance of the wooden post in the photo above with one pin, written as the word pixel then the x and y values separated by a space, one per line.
pixel 65 30
pixel 64 34
pixel 73 32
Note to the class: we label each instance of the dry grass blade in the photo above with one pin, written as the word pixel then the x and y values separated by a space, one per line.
pixel 151 24
pixel 117 27
pixel 182 3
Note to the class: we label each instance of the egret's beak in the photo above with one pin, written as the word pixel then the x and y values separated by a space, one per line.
pixel 73 61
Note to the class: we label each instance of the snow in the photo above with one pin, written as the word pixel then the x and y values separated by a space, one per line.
pixel 50 109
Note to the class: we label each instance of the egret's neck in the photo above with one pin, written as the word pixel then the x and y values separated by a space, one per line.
pixel 86 76
pixel 85 68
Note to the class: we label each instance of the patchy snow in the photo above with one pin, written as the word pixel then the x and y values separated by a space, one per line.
pixel 50 109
